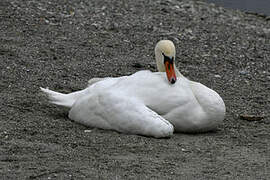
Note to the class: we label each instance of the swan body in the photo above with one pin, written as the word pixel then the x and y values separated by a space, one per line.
pixel 145 103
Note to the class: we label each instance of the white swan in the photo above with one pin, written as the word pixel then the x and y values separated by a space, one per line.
pixel 146 103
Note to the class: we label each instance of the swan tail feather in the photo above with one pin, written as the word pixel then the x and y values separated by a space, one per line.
pixel 66 100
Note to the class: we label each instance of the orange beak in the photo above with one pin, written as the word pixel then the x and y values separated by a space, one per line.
pixel 170 72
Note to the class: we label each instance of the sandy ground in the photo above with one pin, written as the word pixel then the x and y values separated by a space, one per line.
pixel 62 44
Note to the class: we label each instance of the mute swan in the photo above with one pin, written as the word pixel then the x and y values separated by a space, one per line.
pixel 146 103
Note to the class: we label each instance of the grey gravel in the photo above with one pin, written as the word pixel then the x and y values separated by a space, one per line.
pixel 62 44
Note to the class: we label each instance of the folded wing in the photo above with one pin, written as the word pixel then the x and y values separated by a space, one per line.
pixel 108 110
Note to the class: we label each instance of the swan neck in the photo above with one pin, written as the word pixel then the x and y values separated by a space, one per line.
pixel 177 72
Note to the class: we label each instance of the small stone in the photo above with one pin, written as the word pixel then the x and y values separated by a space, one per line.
pixel 184 150
pixel 47 21
pixel 189 31
pixel 217 76
pixel 251 117
pixel 243 72
pixel 206 55
pixel 87 130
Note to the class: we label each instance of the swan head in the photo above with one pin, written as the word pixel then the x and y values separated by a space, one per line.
pixel 165 57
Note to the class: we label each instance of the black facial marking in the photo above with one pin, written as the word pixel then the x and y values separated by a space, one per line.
pixel 166 58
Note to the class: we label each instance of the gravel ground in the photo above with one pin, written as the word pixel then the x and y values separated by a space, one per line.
pixel 62 44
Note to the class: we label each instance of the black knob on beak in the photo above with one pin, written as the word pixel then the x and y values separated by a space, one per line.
pixel 173 81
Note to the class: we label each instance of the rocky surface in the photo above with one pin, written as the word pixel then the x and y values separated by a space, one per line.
pixel 62 44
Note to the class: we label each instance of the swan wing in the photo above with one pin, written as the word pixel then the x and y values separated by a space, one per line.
pixel 111 110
